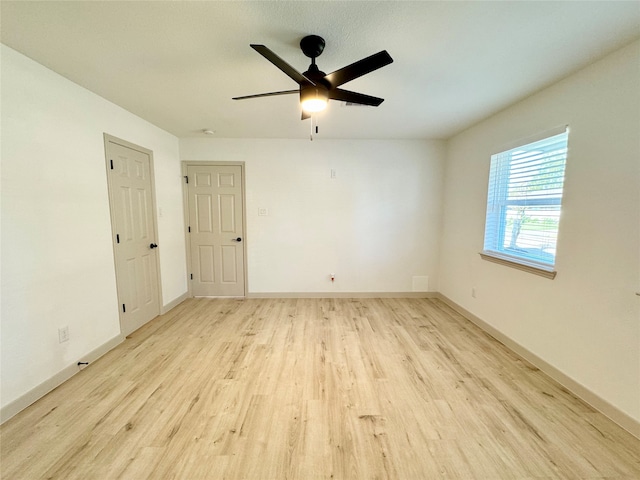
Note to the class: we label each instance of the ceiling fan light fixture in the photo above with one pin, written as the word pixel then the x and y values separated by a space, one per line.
pixel 314 99
pixel 314 105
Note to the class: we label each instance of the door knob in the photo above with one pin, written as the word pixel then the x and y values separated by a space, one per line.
pixel 239 239
pixel 153 245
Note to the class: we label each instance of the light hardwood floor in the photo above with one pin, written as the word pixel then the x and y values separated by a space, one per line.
pixel 310 389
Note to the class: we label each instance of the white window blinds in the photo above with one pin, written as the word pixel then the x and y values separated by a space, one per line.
pixel 524 200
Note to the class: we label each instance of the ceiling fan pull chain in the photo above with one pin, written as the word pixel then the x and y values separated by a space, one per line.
pixel 313 118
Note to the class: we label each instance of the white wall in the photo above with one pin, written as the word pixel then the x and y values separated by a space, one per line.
pixel 57 255
pixel 376 225
pixel 586 322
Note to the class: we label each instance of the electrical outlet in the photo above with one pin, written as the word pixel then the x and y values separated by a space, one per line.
pixel 263 212
pixel 63 334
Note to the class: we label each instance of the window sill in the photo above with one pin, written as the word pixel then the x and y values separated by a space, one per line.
pixel 519 264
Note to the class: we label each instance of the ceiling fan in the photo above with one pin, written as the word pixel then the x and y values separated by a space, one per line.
pixel 316 87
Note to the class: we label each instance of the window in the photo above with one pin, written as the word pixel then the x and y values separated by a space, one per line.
pixel 524 202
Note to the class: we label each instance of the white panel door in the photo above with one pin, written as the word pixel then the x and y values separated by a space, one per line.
pixel 216 230
pixel 130 187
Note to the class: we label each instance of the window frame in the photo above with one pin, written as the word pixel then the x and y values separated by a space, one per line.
pixel 500 178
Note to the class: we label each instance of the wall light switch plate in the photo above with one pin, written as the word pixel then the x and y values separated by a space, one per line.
pixel 63 334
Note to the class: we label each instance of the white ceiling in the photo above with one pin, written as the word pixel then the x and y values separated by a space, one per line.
pixel 177 63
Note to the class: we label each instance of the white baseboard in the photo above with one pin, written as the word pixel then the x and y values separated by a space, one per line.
pixel 342 295
pixel 56 380
pixel 618 416
pixel 174 303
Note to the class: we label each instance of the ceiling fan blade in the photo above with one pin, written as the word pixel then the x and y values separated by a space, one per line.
pixel 359 68
pixel 354 97
pixel 270 94
pixel 282 65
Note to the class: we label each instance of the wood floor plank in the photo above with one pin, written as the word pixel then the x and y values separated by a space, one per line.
pixel 313 389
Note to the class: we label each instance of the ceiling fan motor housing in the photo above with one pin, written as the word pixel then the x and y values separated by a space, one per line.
pixel 317 76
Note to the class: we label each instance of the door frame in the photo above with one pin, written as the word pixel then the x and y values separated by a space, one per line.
pixel 110 138
pixel 185 204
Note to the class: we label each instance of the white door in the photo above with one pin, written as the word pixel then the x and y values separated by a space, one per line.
pixel 216 235
pixel 133 221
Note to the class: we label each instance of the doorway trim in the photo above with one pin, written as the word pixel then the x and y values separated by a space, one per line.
pixel 185 205
pixel 110 138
